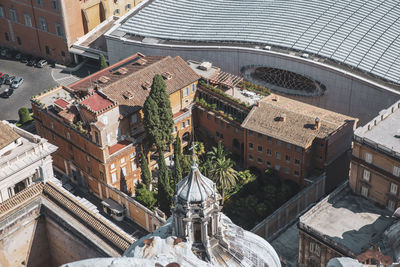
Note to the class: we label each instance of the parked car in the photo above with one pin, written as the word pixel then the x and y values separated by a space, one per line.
pixel 9 79
pixel 7 93
pixel 17 82
pixel 18 56
pixel 3 52
pixel 3 78
pixel 41 63
pixel 32 62
pixel 25 59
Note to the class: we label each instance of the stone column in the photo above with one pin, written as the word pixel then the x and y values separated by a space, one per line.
pixel 204 232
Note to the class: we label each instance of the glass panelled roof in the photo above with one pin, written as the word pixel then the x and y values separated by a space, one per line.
pixel 359 33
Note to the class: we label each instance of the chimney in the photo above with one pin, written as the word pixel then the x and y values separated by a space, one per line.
pixel 276 98
pixel 282 117
pixel 317 123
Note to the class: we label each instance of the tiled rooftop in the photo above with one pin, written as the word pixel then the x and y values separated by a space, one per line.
pixel 298 127
pixel 125 81
pixel 118 146
pixel 96 102
pixel 61 102
pixel 7 135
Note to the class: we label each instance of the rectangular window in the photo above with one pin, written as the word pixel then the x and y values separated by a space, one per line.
pixel 28 21
pixel 112 166
pixel 391 205
pixel 54 4
pixel 6 36
pixel 132 155
pixel 315 248
pixel 113 177
pixel 364 191
pixel 187 123
pixel 368 157
pixel 277 167
pixel 298 149
pixel 288 146
pixel 259 161
pixel 268 164
pixel 185 91
pixel 13 15
pixel 59 30
pixel 183 125
pixel 278 155
pixel 259 136
pixel 269 139
pixel 133 165
pixel 287 170
pixel 194 87
pixel 296 162
pixel 47 50
pixel 134 118
pixel 116 12
pixel 251 146
pixel 39 2
pixel 123 171
pixel 175 129
pixel 278 142
pixel 269 152
pixel 251 133
pixel 68 136
pixel 296 173
pixel 19 40
pixel 43 25
pixel 122 160
pixel 250 157
pixel 2 15
pixel 128 6
pixel 396 171
pixel 366 175
pixel 259 149
pixel 101 175
pixel 89 170
pixel 236 130
pixel 393 188
pixel 287 158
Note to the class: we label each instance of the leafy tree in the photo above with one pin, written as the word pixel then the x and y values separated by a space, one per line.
pixel 145 196
pixel 102 62
pixel 151 122
pixel 159 94
pixel 186 164
pixel 224 175
pixel 164 195
pixel 145 174
pixel 24 115
pixel 177 160
pixel 199 149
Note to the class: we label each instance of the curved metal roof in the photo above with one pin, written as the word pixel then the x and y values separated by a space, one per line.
pixel 359 33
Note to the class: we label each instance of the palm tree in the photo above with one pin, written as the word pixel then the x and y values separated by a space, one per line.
pixel 224 175
pixel 218 152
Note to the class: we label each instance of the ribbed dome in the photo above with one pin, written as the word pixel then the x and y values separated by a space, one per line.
pixel 195 187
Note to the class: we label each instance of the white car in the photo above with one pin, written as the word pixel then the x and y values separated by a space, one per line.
pixel 17 82
pixel 41 63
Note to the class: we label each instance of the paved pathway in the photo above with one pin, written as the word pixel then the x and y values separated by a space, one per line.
pixel 62 77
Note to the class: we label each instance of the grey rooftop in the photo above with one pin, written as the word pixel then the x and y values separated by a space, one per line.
pixel 383 132
pixel 351 221
pixel 360 34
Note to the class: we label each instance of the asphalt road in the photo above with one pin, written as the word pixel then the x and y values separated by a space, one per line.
pixel 35 80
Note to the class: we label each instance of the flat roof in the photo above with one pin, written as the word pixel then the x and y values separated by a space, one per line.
pixel 349 220
pixel 298 127
pixel 383 130
pixel 360 34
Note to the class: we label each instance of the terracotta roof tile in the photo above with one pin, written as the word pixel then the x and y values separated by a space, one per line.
pixel 96 102
pixel 7 135
pixel 61 102
pixel 118 146
pixel 297 128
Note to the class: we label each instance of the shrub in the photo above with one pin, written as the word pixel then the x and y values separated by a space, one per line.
pixel 24 115
pixel 102 62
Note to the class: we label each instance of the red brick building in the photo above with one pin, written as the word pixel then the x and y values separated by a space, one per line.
pixel 96 122
pixel 375 165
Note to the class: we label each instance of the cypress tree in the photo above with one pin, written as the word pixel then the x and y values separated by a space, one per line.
pixel 177 160
pixel 159 94
pixel 164 189
pixel 145 174
pixel 151 122
pixel 102 62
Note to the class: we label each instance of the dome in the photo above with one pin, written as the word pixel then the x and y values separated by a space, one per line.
pixel 195 187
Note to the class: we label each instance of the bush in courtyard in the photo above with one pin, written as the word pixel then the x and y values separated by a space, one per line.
pixel 102 62
pixel 24 115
